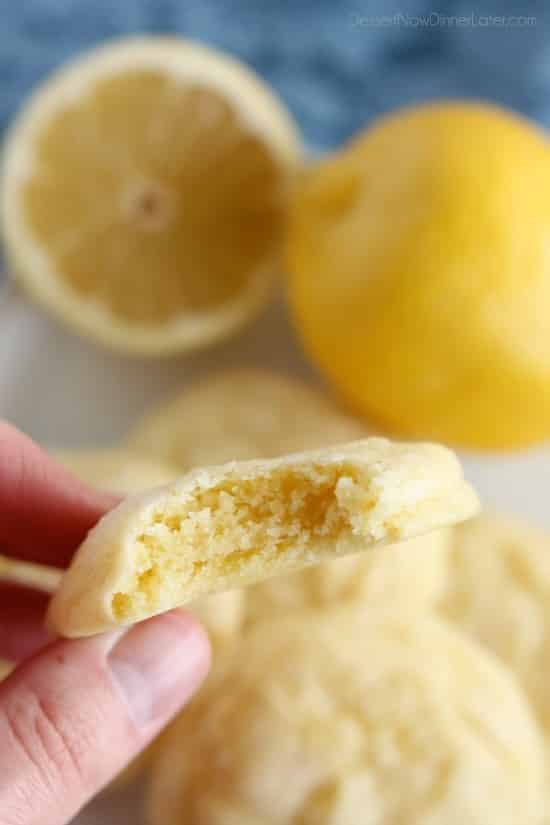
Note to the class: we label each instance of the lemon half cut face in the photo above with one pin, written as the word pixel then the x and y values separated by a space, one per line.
pixel 144 193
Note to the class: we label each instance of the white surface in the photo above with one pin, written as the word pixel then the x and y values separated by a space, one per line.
pixel 64 391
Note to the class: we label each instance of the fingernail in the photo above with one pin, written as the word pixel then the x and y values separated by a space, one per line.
pixel 158 665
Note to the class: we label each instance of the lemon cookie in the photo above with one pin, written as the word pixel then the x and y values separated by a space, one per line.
pixel 242 414
pixel 412 572
pixel 499 592
pixel 353 717
pixel 128 472
pixel 222 614
pixel 223 527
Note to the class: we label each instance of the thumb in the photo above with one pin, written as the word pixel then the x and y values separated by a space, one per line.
pixel 74 715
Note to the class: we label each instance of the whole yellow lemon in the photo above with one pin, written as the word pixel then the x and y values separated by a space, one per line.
pixel 419 262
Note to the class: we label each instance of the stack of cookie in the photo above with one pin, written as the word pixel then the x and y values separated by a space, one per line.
pixel 402 684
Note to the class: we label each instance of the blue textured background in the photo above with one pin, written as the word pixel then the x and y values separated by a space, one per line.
pixel 334 67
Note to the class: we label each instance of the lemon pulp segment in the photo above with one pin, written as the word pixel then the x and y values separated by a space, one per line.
pixel 166 184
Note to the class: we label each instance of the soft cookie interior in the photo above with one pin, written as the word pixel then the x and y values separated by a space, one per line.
pixel 220 528
pixel 237 524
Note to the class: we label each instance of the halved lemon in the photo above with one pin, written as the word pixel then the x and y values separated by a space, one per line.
pixel 143 193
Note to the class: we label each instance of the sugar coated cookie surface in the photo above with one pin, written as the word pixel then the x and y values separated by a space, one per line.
pixel 222 614
pixel 241 414
pixel 412 572
pixel 224 527
pixel 353 717
pixel 499 592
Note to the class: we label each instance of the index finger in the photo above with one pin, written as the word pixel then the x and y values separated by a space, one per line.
pixel 45 512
